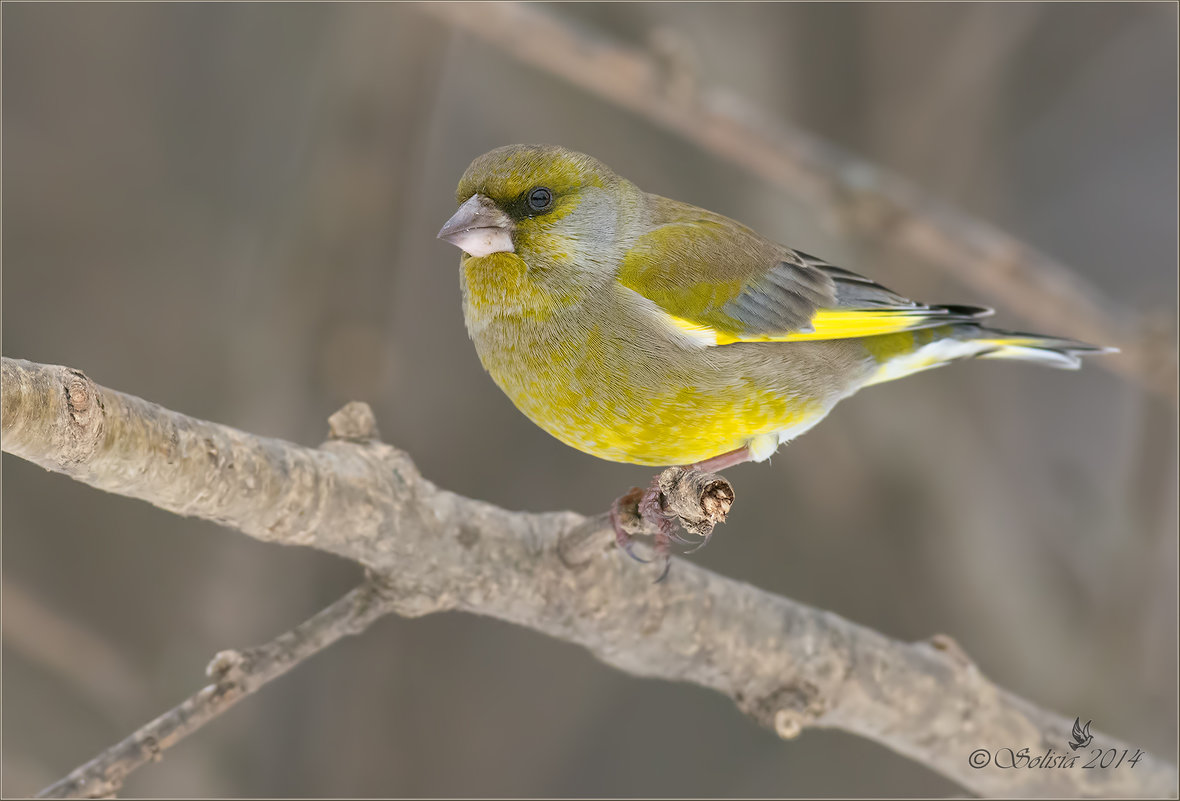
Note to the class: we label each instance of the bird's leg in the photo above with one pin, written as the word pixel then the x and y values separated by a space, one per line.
pixel 650 505
pixel 715 464
pixel 618 508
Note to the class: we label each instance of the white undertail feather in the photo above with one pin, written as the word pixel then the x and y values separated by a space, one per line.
pixel 1051 358
pixel 935 354
pixel 1059 353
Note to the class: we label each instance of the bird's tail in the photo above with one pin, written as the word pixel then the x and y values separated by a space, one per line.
pixel 934 347
pixel 1051 351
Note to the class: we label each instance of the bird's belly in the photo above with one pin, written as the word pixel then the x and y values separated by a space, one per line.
pixel 620 400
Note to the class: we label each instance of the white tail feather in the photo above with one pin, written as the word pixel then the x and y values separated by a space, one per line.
pixel 1063 360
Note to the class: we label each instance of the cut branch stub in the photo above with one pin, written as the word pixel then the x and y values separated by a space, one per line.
pixel 699 500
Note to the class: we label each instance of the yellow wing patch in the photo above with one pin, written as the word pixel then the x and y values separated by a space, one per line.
pixel 700 334
pixel 827 324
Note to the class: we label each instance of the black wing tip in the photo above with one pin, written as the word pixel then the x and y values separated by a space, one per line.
pixel 967 312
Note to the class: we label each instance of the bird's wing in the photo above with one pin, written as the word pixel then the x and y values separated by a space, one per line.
pixel 720 282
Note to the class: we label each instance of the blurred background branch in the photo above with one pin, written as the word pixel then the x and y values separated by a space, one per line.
pixel 83 660
pixel 865 201
pixel 785 665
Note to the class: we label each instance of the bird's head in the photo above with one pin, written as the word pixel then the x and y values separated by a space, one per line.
pixel 550 206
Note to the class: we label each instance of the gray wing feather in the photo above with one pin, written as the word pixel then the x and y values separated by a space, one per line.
pixel 788 296
pixel 784 300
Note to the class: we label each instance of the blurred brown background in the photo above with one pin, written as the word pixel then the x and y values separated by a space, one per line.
pixel 230 210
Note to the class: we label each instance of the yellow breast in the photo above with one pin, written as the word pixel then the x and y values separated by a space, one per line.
pixel 585 370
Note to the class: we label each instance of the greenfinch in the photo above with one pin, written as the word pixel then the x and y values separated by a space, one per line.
pixel 645 330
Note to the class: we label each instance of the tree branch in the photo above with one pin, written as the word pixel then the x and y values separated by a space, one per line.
pixel 785 665
pixel 235 675
pixel 867 200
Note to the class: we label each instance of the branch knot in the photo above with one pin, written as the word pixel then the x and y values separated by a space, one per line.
pixel 85 426
pixel 355 422
pixel 788 710
pixel 227 668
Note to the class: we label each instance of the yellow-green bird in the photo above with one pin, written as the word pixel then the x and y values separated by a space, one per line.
pixel 645 330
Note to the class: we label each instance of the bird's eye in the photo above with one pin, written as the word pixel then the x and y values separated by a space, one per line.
pixel 540 199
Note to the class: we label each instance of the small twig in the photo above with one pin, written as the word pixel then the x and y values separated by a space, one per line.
pixel 235 675
pixel 699 500
pixel 839 186
pixel 695 499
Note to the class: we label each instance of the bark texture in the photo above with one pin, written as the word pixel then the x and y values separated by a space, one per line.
pixel 786 665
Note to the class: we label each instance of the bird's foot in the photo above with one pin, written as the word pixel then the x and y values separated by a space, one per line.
pixel 652 513
pixel 623 511
pixel 694 499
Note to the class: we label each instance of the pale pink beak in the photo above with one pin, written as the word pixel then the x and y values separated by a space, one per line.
pixel 479 228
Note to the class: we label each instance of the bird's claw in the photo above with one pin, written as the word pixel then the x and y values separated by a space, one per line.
pixel 704 541
pixel 646 505
pixel 649 506
pixel 623 537
pixel 667 567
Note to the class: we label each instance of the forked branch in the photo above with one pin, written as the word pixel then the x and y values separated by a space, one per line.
pixel 786 665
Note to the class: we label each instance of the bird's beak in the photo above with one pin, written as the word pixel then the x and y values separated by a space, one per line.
pixel 479 227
